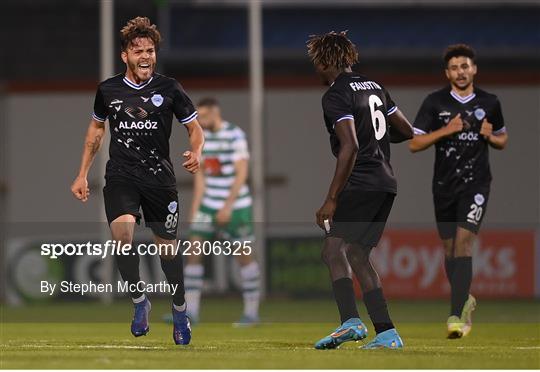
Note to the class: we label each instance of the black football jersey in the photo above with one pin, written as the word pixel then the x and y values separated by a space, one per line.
pixel 462 160
pixel 140 118
pixel 353 96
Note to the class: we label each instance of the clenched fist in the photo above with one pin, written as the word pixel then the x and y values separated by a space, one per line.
pixel 80 189
pixel 487 129
pixel 455 125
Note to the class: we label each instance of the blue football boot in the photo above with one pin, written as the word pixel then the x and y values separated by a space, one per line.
pixel 351 330
pixel 388 339
pixel 139 325
pixel 182 327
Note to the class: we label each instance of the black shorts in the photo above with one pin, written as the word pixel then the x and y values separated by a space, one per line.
pixel 159 205
pixel 465 210
pixel 360 216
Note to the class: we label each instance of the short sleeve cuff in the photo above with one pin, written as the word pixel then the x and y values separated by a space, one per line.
pixel 189 118
pixel 418 131
pixel 498 132
pixel 391 110
pixel 345 117
pixel 97 118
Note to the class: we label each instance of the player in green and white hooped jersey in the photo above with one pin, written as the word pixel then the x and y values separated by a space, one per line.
pixel 221 208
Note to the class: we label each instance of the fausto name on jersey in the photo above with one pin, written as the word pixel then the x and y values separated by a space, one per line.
pixel 364 85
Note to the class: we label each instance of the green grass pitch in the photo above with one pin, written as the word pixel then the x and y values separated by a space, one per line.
pixel 505 334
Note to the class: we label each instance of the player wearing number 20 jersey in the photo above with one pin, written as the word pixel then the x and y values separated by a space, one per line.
pixel 461 170
pixel 462 122
pixel 362 120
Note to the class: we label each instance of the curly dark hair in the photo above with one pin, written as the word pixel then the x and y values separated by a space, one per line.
pixel 333 49
pixel 139 27
pixel 458 50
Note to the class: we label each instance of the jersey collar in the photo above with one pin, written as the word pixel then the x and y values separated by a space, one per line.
pixel 460 99
pixel 342 75
pixel 137 86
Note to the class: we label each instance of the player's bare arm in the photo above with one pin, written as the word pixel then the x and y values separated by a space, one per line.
pixel 196 140
pixel 424 141
pixel 241 170
pixel 198 192
pixel 346 134
pixel 498 141
pixel 92 143
pixel 400 128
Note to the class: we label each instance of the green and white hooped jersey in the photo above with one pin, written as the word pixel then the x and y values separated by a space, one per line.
pixel 221 149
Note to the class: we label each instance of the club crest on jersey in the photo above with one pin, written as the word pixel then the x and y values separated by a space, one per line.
pixel 172 206
pixel 157 100
pixel 479 198
pixel 479 114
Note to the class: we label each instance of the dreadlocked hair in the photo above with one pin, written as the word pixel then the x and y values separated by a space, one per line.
pixel 333 49
pixel 139 27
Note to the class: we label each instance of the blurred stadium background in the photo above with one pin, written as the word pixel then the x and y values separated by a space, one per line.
pixel 52 60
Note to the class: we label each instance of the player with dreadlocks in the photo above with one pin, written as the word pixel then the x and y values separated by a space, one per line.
pixel 362 120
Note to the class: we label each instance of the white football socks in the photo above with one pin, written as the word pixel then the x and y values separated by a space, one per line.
pixel 139 299
pixel 180 308
pixel 193 281
pixel 251 291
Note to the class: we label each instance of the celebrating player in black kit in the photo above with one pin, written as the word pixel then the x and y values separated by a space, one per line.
pixel 362 120
pixel 139 106
pixel 462 121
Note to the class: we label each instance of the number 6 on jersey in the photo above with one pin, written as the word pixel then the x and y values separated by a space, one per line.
pixel 377 117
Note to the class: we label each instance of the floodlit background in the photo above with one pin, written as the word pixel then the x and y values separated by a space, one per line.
pixel 52 58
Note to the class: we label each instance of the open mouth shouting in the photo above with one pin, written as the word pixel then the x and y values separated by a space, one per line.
pixel 145 68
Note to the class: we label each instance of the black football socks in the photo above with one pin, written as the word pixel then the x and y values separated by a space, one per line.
pixel 378 310
pixel 174 272
pixel 128 265
pixel 449 265
pixel 344 295
pixel 460 284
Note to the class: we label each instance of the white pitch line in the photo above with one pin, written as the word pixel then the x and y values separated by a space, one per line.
pixel 510 347
pixel 139 347
pixel 122 347
pixel 91 347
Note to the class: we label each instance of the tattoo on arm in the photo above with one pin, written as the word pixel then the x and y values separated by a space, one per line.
pixel 94 145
